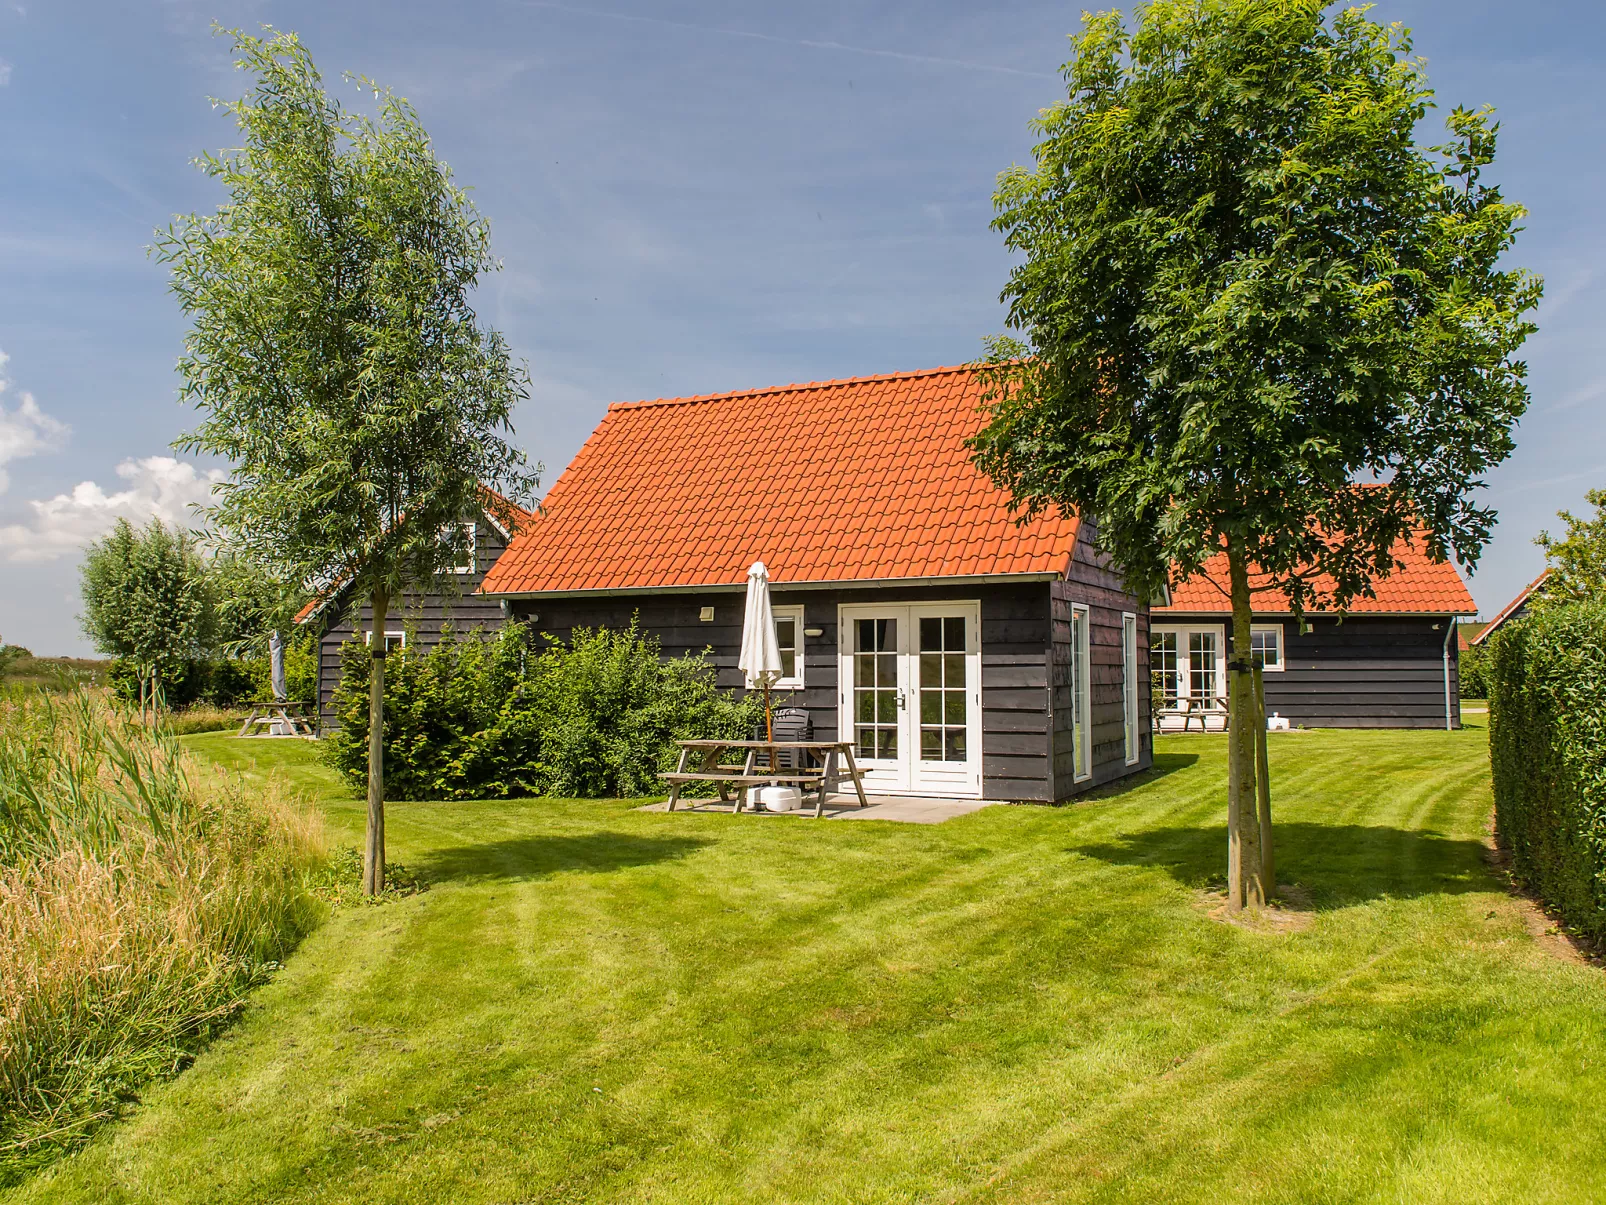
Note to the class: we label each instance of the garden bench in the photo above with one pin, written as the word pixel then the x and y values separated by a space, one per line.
pixel 835 758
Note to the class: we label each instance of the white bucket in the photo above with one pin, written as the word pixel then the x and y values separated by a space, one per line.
pixel 780 799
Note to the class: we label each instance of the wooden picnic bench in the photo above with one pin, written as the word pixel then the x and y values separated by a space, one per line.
pixel 835 760
pixel 272 713
pixel 1188 707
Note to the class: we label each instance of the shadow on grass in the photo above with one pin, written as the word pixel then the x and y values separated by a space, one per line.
pixel 1164 764
pixel 1339 864
pixel 524 858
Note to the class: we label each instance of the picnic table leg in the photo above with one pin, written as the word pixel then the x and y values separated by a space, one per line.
pixel 858 779
pixel 249 720
pixel 747 769
pixel 674 787
pixel 827 781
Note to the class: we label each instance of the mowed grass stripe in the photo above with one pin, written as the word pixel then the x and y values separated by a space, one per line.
pixel 599 1004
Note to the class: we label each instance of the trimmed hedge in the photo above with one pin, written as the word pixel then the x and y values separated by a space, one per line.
pixel 491 717
pixel 1547 747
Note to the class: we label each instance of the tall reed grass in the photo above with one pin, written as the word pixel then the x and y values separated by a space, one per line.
pixel 142 895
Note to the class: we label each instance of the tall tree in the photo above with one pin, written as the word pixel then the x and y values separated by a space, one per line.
pixel 335 355
pixel 147 600
pixel 1578 560
pixel 1244 290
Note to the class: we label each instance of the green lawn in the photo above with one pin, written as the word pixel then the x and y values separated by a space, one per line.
pixel 1025 1004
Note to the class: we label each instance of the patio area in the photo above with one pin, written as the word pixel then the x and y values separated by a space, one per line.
pixel 908 809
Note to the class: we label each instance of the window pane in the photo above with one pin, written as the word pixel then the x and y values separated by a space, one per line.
pixel 864 741
pixel 955 741
pixel 864 705
pixel 786 632
pixel 953 633
pixel 930 635
pixel 931 707
pixel 886 742
pixel 886 706
pixel 931 744
pixel 955 707
pixel 788 663
pixel 954 669
pixel 864 671
pixel 930 669
pixel 886 670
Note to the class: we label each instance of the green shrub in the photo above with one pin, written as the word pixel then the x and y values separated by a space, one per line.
pixel 487 716
pixel 1547 724
pixel 226 681
pixel 1474 672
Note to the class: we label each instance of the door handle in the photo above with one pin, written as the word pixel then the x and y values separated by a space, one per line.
pixel 903 700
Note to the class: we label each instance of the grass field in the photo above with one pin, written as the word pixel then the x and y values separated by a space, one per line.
pixel 593 1003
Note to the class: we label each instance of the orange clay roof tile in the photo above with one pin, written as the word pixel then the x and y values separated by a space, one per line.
pixel 846 480
pixel 1419 587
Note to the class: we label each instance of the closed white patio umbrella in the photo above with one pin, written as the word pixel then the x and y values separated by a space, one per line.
pixel 760 658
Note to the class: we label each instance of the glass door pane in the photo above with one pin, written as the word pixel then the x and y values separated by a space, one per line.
pixel 875 688
pixel 944 688
pixel 1202 653
pixel 1163 666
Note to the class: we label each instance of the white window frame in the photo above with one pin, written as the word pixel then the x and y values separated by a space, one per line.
pixel 399 637
pixel 473 548
pixel 1081 692
pixel 1282 650
pixel 1129 686
pixel 795 614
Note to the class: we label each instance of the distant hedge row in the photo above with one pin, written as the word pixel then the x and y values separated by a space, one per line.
pixel 1547 677
pixel 226 681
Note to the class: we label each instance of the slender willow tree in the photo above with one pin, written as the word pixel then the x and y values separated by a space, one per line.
pixel 335 356
pixel 1245 290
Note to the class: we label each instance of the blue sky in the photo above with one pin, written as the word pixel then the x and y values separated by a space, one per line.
pixel 688 197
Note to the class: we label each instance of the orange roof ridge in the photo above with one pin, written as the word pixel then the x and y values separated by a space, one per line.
pixel 795 387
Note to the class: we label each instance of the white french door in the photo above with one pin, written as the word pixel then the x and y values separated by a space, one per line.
pixel 910 697
pixel 1189 664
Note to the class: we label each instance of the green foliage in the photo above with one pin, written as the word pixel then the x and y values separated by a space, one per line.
pixel 492 717
pixel 1548 752
pixel 226 681
pixel 249 603
pixel 1474 672
pixel 333 351
pixel 1244 288
pixel 146 599
pixel 141 897
pixel 1577 562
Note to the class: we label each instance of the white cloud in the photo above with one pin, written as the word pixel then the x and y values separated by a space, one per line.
pixel 25 431
pixel 159 487
pixel 5 73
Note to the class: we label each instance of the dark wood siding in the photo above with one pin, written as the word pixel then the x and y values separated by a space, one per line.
pixel 1017 748
pixel 1091 581
pixel 1366 672
pixel 423 614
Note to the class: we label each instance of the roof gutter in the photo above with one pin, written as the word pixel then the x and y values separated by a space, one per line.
pixel 981 579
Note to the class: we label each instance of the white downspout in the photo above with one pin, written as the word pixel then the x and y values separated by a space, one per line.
pixel 1448 636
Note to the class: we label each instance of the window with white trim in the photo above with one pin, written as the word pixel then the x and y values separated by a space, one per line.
pixel 1266 646
pixel 466 562
pixel 393 640
pixel 1129 685
pixel 1081 694
pixel 789 635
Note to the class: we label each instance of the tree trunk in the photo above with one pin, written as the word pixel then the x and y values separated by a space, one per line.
pixel 1268 860
pixel 1245 887
pixel 373 865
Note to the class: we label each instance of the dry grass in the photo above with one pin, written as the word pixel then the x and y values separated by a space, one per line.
pixel 141 896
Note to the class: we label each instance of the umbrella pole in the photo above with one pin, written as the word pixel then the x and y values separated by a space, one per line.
pixel 769 724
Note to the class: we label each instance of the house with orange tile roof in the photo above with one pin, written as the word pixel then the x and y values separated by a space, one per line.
pixel 1390 661
pixel 1515 609
pixel 965 653
pixel 419 614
